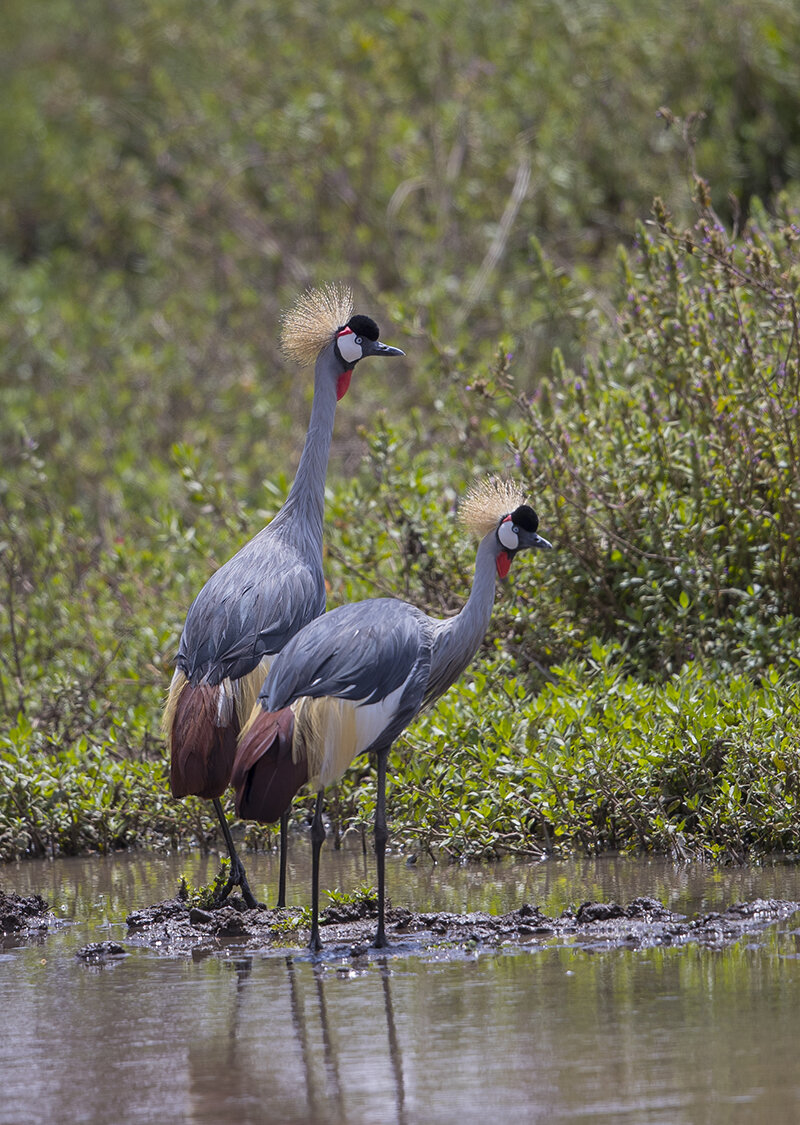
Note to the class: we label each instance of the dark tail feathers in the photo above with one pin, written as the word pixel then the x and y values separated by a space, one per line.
pixel 264 775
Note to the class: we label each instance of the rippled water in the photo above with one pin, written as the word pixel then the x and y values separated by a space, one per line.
pixel 555 1034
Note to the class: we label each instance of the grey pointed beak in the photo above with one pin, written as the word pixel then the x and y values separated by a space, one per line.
pixel 531 539
pixel 375 347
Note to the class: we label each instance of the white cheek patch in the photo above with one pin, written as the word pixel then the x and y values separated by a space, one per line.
pixel 349 350
pixel 507 535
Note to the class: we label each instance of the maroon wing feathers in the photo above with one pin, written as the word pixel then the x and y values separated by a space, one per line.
pixel 264 776
pixel 202 752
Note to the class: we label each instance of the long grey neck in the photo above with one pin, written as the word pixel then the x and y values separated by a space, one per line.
pixel 457 639
pixel 300 518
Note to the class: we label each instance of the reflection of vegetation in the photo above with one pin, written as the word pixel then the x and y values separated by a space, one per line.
pixel 167 183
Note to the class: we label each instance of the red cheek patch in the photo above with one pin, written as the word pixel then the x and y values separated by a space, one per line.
pixel 503 563
pixel 343 384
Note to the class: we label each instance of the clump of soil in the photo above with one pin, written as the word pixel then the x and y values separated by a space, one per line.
pixel 100 952
pixel 23 917
pixel 172 927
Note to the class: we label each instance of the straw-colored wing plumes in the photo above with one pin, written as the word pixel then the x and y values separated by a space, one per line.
pixel 179 682
pixel 487 502
pixel 326 734
pixel 312 320
pixel 248 687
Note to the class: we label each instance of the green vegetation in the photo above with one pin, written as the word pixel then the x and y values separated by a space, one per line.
pixel 365 896
pixel 205 896
pixel 171 176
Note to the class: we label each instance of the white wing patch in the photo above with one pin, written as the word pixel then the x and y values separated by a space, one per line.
pixel 373 718
pixel 226 700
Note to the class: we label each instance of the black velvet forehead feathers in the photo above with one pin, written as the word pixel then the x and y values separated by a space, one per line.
pixel 525 517
pixel 364 326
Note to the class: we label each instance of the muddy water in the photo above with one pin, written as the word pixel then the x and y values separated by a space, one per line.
pixel 676 1036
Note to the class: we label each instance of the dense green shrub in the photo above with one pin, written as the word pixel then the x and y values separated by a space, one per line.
pixel 702 766
pixel 672 456
pixel 665 474
pixel 172 174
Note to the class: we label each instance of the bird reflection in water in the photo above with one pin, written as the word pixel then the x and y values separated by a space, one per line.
pixel 331 1101
pixel 395 1054
pixel 288 1038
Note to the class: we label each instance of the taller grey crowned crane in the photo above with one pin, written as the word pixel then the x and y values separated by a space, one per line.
pixel 272 587
pixel 353 679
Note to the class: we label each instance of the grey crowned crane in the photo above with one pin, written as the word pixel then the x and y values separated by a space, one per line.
pixel 272 587
pixel 352 680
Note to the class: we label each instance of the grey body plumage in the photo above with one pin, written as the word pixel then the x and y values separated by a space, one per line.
pixel 273 586
pixel 362 651
pixel 249 609
pixel 355 678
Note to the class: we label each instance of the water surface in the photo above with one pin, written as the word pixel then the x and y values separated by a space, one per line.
pixel 676 1036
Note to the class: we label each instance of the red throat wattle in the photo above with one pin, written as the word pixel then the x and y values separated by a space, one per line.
pixel 343 384
pixel 503 564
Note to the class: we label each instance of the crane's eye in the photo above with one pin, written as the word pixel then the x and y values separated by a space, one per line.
pixel 359 341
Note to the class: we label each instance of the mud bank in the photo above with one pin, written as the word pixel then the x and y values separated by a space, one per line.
pixel 172 928
pixel 23 918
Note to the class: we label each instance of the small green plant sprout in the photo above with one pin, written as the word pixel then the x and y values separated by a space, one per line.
pixel 290 925
pixel 364 895
pixel 205 896
pixel 303 918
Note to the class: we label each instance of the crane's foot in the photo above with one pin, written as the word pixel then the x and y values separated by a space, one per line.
pixel 237 878
pixel 249 898
pixel 315 945
pixel 381 941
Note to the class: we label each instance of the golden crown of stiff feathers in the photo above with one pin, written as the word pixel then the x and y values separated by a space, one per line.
pixel 312 320
pixel 487 502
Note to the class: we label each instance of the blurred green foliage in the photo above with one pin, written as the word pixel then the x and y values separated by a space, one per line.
pixel 172 175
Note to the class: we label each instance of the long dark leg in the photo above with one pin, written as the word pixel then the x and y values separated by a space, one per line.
pixel 282 876
pixel 381 836
pixel 237 877
pixel 317 840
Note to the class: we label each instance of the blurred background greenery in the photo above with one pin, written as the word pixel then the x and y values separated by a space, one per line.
pixel 172 175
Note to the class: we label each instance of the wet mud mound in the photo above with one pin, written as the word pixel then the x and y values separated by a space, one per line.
pixel 172 927
pixel 23 918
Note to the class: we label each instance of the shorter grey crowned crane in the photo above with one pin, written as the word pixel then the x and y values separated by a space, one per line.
pixel 272 587
pixel 352 680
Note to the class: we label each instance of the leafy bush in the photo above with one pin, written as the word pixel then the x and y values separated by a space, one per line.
pixel 86 796
pixel 697 767
pixel 671 458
